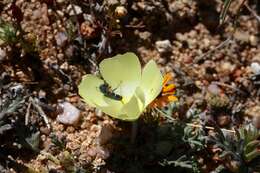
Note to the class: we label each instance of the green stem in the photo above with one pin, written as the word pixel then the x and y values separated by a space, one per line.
pixel 134 131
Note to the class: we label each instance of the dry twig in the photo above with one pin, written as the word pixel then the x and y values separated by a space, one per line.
pixel 253 12
pixel 230 87
pixel 41 112
pixel 210 52
pixel 194 125
pixel 28 113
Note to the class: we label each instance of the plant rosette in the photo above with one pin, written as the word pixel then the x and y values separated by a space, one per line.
pixel 137 88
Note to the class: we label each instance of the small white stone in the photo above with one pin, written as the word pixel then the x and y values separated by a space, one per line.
pixel 163 46
pixel 2 54
pixel 70 114
pixel 253 40
pixel 214 89
pixel 60 13
pixel 256 121
pixel 61 38
pixel 74 10
pixel 255 67
pixel 36 14
pixel 60 1
pixel 64 66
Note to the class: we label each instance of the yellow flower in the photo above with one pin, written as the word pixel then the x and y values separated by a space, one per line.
pixel 124 90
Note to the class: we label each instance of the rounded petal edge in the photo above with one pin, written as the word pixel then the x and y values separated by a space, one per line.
pixel 151 82
pixel 123 73
pixel 89 90
pixel 133 109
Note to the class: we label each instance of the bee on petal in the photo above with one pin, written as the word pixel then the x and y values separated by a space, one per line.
pixel 108 92
pixel 166 95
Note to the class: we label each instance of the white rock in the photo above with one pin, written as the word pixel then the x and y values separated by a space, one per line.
pixel 2 54
pixel 253 40
pixel 61 38
pixel 98 151
pixel 44 15
pixel 163 46
pixel 256 121
pixel 60 1
pixel 36 14
pixel 60 13
pixel 255 67
pixel 70 114
pixel 214 89
pixel 74 10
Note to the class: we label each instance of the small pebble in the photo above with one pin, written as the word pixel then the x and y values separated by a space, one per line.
pixel 227 67
pixel 74 10
pixel 256 58
pixel 120 11
pixel 145 35
pixel 45 130
pixel 253 40
pixel 64 66
pixel 70 114
pixel 102 152
pixel 256 121
pixel 60 1
pixel 36 14
pixel 70 129
pixel 61 38
pixel 181 37
pixel 223 120
pixel 242 36
pixel 253 111
pixel 163 46
pixel 214 89
pixel 255 67
pixel 2 54
pixel 60 13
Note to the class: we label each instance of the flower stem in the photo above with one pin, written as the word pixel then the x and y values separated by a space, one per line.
pixel 134 131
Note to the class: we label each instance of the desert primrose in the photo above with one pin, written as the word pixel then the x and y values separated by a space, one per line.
pixel 131 89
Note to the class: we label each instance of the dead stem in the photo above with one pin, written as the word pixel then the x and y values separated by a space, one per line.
pixel 192 124
pixel 28 113
pixel 134 131
pixel 230 87
pixel 225 42
pixel 208 127
pixel 210 52
pixel 41 112
pixel 253 12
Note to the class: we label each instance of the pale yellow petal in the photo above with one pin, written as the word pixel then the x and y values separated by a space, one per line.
pixel 122 73
pixel 151 82
pixel 89 90
pixel 133 109
pixel 114 107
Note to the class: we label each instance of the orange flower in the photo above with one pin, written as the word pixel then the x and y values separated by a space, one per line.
pixel 166 96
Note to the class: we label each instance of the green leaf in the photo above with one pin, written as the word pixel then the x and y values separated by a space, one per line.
pixel 251 146
pixel 224 10
pixel 250 156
